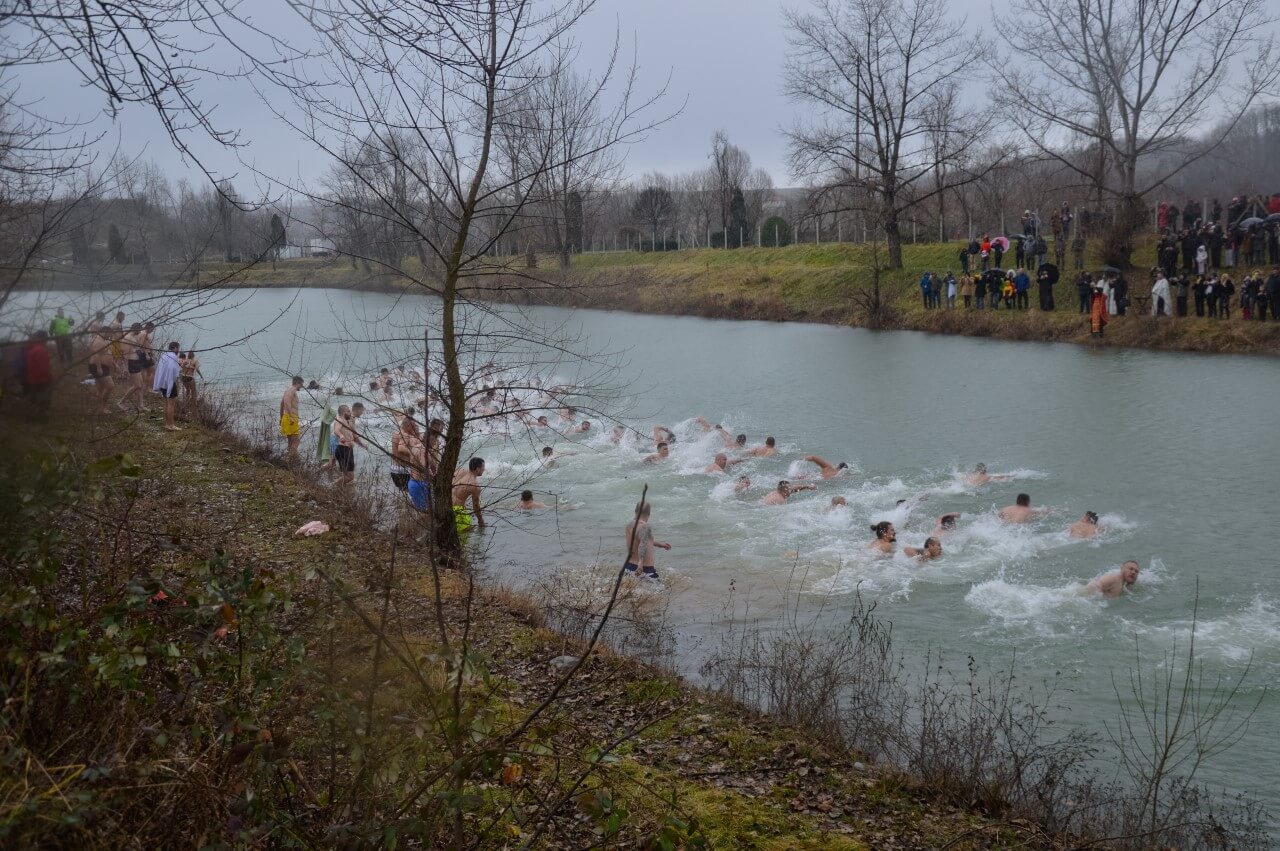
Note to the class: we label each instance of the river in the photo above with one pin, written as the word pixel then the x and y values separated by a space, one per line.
pixel 1177 453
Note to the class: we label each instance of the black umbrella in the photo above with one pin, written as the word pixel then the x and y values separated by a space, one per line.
pixel 1272 219
pixel 1018 237
pixel 1250 222
pixel 1110 270
pixel 1048 272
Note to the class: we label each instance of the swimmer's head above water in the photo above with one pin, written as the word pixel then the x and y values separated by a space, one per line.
pixel 1129 572
pixel 1091 517
pixel 884 531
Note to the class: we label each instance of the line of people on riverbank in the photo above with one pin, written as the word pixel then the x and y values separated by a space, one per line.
pixel 114 357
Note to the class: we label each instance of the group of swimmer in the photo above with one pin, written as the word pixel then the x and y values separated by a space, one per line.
pixel 415 457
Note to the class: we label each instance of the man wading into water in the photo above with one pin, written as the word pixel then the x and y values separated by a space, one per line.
pixel 641 544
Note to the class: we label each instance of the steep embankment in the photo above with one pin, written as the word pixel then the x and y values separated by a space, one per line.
pixel 192 672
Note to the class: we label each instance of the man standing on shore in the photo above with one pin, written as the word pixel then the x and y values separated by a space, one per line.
pixel 290 429
pixel 60 330
pixel 466 486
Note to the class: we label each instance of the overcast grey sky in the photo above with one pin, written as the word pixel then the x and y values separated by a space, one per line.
pixel 723 58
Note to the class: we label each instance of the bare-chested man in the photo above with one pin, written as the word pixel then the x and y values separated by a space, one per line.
pixel 932 549
pixel 102 365
pixel 133 344
pixel 657 457
pixel 466 486
pixel 662 434
pixel 1021 511
pixel 828 470
pixel 784 490
pixel 946 523
pixel 290 429
pixel 980 476
pixel 528 503
pixel 722 463
pixel 767 450
pixel 1085 527
pixel 641 544
pixel 619 432
pixel 550 456
pixel 725 437
pixel 886 538
pixel 344 457
pixel 743 485
pixel 837 502
pixel 1115 583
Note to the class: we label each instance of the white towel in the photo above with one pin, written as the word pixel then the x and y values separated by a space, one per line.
pixel 166 373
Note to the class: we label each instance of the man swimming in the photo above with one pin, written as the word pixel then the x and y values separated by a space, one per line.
pixel 618 433
pixel 657 457
pixel 527 502
pixel 743 485
pixel 289 427
pixel 785 489
pixel 828 470
pixel 725 437
pixel 886 537
pixel 1021 512
pixel 932 549
pixel 836 502
pixel 1085 527
pixel 946 523
pixel 767 450
pixel 1114 584
pixel 722 463
pixel 980 476
pixel 549 456
pixel 641 544
pixel 466 486
pixel 662 434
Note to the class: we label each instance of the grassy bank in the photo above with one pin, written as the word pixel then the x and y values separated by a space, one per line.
pixel 181 669
pixel 810 283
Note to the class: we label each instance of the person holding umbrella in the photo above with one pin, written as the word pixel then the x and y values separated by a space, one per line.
pixel 999 246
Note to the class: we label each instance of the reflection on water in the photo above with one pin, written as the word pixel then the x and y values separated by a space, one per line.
pixel 1175 452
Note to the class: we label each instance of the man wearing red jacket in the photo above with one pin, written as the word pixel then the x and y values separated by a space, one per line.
pixel 37 383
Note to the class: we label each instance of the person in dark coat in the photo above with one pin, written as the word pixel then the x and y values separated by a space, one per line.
pixel 1084 291
pixel 1120 289
pixel 1273 293
pixel 1182 290
pixel 1045 280
pixel 1197 293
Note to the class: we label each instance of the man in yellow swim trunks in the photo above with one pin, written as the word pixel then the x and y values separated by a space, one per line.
pixel 290 429
pixel 466 486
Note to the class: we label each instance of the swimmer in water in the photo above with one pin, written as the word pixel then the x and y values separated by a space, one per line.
pixel 946 523
pixel 980 476
pixel 1114 584
pixel 829 471
pixel 767 450
pixel 567 414
pixel 886 537
pixel 722 463
pixel 657 457
pixel 932 549
pixel 1085 527
pixel 836 502
pixel 725 437
pixel 585 426
pixel 662 434
pixel 618 433
pixel 703 422
pixel 743 485
pixel 542 422
pixel 739 442
pixel 785 489
pixel 528 503
pixel 549 456
pixel 1021 512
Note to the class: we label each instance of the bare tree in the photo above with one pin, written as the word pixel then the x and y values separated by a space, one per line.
pixel 874 71
pixel 474 109
pixel 1133 79
pixel 730 170
pixel 654 208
